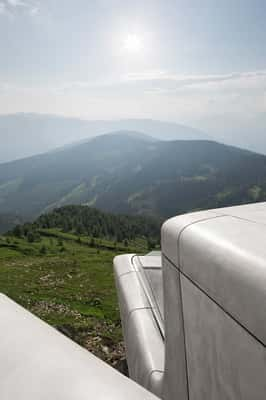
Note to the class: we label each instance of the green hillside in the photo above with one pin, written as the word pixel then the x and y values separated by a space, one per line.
pixel 66 277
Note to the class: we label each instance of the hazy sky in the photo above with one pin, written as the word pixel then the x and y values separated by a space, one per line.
pixel 197 62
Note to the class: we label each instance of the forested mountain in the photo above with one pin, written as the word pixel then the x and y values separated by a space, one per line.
pixel 122 173
pixel 24 135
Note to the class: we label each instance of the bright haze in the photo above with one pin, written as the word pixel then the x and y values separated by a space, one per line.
pixel 197 63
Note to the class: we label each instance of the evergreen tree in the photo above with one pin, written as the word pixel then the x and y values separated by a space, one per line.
pixel 30 237
pixel 18 231
pixel 150 244
pixel 43 250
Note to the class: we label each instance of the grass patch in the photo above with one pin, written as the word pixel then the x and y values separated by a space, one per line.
pixel 69 284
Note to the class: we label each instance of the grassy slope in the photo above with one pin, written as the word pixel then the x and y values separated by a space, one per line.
pixel 71 286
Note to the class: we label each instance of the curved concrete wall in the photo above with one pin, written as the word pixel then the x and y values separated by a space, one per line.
pixel 143 338
pixel 214 266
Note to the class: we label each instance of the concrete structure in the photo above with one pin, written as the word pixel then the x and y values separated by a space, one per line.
pixel 194 318
pixel 39 363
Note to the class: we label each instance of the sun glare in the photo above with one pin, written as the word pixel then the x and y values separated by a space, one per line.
pixel 133 43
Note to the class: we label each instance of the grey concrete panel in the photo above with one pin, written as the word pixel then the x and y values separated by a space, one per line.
pixel 252 212
pixel 214 323
pixel 151 261
pixel 145 350
pixel 149 272
pixel 224 361
pixel 131 296
pixel 141 326
pixel 39 363
pixel 173 227
pixel 154 253
pixel 175 378
pixel 155 383
pixel 136 289
pixel 226 257
pixel 155 280
pixel 123 264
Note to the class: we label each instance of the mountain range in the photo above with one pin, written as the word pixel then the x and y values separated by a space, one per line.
pixel 126 172
pixel 24 135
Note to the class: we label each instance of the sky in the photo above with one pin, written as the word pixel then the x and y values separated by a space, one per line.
pixel 200 63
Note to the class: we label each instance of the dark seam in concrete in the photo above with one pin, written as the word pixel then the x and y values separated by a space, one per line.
pixel 215 216
pixel 187 226
pixel 153 306
pixel 154 297
pixel 184 334
pixel 126 273
pixel 152 371
pixel 179 268
pixel 243 219
pixel 218 305
pixel 193 223
pixel 133 263
pixel 156 306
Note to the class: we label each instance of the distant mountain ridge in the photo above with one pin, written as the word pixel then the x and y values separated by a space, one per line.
pixel 8 221
pixel 133 175
pixel 25 135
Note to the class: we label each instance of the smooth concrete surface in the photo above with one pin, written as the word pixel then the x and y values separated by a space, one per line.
pixel 141 318
pixel 212 304
pixel 150 270
pixel 155 279
pixel 145 350
pixel 123 264
pixel 131 295
pixel 220 259
pixel 151 261
pixel 173 228
pixel 175 380
pixel 251 212
pixel 233 270
pixel 224 361
pixel 139 283
pixel 39 363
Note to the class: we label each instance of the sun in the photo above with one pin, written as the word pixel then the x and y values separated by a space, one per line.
pixel 133 43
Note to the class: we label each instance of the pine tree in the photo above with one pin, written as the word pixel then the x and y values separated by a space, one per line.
pixel 30 237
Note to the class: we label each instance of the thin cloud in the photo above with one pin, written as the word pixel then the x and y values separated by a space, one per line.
pixel 16 3
pixel 2 8
pixel 161 80
pixel 15 7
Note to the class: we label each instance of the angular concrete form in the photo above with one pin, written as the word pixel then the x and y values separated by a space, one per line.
pixel 39 363
pixel 197 313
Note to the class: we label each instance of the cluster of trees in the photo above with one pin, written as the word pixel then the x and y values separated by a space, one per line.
pixel 27 231
pixel 83 220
